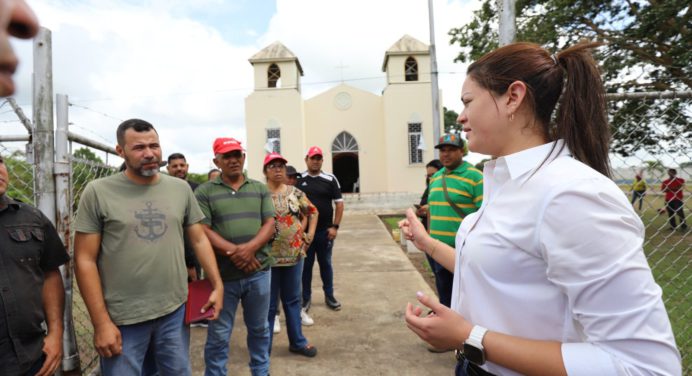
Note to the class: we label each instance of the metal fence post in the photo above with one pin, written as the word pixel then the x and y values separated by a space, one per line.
pixel 63 170
pixel 42 134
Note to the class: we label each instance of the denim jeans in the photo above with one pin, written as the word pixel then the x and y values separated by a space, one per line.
pixel 253 293
pixel 444 279
pixel 167 335
pixel 149 368
pixel 286 282
pixel 322 247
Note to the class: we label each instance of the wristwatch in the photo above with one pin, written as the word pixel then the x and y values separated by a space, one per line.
pixel 336 226
pixel 473 346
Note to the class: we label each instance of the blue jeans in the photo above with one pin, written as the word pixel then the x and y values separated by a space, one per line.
pixel 286 282
pixel 253 294
pixel 149 367
pixel 444 279
pixel 166 333
pixel 322 247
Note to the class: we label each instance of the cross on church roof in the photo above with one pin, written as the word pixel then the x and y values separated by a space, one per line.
pixel 341 67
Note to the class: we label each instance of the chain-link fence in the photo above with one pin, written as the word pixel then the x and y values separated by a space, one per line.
pixel 652 134
pixel 86 166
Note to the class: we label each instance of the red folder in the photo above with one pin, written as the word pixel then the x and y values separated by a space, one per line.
pixel 197 296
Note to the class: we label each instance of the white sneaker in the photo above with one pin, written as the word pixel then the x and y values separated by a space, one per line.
pixel 277 325
pixel 305 319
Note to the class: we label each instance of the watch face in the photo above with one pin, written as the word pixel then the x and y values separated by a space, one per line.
pixel 474 354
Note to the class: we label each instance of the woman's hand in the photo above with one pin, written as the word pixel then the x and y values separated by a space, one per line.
pixel 412 229
pixel 443 329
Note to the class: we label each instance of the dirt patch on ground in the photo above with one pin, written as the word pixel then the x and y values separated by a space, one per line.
pixel 418 259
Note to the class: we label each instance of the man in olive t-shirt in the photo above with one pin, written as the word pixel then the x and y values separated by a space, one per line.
pixel 129 258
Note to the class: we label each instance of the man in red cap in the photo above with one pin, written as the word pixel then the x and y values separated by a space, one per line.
pixel 239 223
pixel 322 189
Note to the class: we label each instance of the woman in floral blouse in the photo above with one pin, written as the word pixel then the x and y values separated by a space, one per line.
pixel 288 249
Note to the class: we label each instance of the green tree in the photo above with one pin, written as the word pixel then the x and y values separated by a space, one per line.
pixel 450 119
pixel 648 47
pixel 21 175
pixel 197 178
pixel 86 166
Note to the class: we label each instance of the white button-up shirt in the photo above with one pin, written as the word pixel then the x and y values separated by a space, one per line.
pixel 555 253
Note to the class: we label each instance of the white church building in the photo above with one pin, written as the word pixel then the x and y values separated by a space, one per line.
pixel 372 143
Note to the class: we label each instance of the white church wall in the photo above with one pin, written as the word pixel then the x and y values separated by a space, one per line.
pixel 345 108
pixel 401 102
pixel 282 108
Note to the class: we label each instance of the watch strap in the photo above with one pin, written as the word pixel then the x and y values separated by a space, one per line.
pixel 476 336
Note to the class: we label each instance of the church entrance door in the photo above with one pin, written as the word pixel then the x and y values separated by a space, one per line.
pixel 345 162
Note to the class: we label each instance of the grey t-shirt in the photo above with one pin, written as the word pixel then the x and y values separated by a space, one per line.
pixel 141 261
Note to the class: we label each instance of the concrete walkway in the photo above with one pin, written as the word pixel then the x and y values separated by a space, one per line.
pixel 373 281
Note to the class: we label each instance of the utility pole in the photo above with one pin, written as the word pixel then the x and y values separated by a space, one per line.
pixel 507 27
pixel 433 79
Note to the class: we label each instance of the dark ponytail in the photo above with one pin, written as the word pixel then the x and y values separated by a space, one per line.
pixel 581 119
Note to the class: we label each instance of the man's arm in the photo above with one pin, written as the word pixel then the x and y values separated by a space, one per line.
pixel 338 214
pixel 53 306
pixel 205 256
pixel 107 338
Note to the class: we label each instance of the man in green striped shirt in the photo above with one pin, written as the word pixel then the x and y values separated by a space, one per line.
pixel 239 223
pixel 464 196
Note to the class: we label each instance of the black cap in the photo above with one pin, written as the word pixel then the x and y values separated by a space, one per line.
pixel 451 140
pixel 291 171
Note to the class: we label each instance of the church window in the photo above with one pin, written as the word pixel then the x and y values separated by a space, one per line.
pixel 273 75
pixel 344 143
pixel 411 69
pixel 273 140
pixel 415 154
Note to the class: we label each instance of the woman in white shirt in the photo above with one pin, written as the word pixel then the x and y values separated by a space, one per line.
pixel 552 264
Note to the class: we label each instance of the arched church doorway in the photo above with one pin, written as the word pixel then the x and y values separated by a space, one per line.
pixel 345 162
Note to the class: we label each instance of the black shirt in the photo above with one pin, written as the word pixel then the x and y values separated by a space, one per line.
pixel 29 247
pixel 321 191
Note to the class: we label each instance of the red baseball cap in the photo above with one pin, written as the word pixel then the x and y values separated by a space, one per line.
pixel 272 157
pixel 223 145
pixel 314 150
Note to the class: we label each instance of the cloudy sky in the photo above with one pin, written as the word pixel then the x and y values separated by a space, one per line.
pixel 183 64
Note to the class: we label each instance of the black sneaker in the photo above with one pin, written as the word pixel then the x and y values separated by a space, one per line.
pixel 310 351
pixel 332 303
pixel 306 305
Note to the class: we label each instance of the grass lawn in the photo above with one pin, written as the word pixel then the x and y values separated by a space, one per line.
pixel 670 256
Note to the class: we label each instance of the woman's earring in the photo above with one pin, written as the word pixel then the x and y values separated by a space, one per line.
pixel 511 117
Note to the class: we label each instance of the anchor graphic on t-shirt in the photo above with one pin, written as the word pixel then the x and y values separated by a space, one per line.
pixel 151 220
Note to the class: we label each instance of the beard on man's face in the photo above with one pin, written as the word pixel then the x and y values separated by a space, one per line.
pixel 140 170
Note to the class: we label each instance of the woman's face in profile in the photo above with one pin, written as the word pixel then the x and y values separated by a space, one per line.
pixel 483 120
pixel 17 20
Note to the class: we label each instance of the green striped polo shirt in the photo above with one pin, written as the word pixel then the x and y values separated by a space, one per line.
pixel 237 216
pixel 465 188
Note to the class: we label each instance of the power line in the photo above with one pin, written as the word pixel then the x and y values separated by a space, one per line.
pixel 95 111
pixel 227 90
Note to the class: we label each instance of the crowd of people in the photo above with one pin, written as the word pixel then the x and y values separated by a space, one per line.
pixel 538 259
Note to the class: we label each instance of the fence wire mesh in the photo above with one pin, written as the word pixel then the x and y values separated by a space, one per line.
pixel 652 133
pixel 20 169
pixel 86 167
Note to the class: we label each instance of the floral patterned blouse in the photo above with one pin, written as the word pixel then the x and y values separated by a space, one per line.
pixel 290 205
